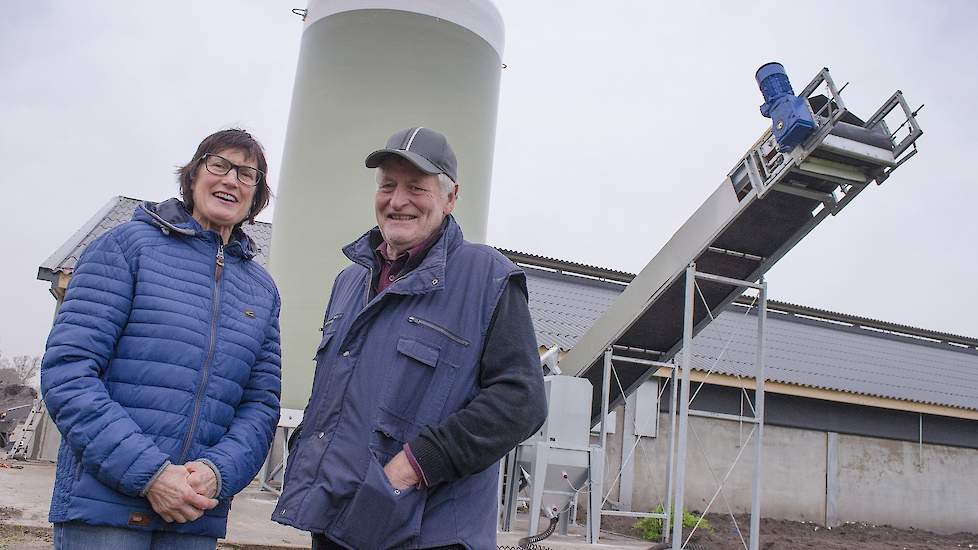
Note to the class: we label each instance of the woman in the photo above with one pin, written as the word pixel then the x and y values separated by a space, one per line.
pixel 162 371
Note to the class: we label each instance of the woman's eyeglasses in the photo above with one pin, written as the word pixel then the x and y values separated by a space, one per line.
pixel 220 166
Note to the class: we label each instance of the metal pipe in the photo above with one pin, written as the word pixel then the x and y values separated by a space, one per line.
pixel 629 442
pixel 511 489
pixel 550 360
pixel 500 493
pixel 670 463
pixel 595 465
pixel 605 389
pixel 687 363
pixel 755 510
pixel 538 476
pixel 740 425
pixel 725 280
pixel 645 362
pixel 595 515
pixel 920 439
pixel 723 416
pixel 633 514
pixel 785 187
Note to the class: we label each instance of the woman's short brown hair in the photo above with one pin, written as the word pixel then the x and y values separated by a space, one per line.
pixel 233 138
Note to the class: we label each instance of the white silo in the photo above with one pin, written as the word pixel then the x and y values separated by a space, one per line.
pixel 367 69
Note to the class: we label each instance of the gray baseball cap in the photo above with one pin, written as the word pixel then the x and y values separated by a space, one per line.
pixel 423 147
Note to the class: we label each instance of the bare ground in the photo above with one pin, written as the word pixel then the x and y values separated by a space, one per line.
pixel 794 535
pixel 775 535
pixel 16 537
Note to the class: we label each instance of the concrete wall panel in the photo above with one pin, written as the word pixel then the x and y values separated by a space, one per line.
pixel 901 484
pixel 873 480
pixel 794 465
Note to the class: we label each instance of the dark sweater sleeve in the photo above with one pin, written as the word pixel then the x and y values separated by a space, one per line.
pixel 510 407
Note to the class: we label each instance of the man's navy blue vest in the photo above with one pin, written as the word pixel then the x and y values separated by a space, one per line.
pixel 385 368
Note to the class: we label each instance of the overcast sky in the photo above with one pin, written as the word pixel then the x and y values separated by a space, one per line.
pixel 616 120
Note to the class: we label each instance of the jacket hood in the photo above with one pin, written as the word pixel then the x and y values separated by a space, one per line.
pixel 172 215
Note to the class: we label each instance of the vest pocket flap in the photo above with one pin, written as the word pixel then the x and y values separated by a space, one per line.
pixel 327 336
pixel 395 427
pixel 418 351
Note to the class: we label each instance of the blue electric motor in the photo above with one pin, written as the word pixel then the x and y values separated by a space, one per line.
pixel 791 120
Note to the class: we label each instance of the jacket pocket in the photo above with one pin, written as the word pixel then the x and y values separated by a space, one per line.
pixel 328 329
pixel 321 374
pixel 417 321
pixel 418 382
pixel 380 516
pixel 390 435
pixel 323 343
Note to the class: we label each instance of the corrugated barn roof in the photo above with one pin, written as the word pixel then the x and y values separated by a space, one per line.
pixel 801 350
pixel 805 347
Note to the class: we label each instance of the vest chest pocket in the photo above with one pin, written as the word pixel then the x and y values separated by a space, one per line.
pixel 418 383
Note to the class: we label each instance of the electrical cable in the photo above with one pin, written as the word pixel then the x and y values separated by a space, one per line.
pixel 576 489
pixel 532 539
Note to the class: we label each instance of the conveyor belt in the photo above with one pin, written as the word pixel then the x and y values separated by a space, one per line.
pixel 764 207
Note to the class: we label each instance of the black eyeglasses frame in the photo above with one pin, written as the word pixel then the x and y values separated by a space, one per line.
pixel 235 167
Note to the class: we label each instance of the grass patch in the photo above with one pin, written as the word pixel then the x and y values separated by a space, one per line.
pixel 651 528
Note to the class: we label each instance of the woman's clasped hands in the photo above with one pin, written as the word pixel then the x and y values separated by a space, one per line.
pixel 182 493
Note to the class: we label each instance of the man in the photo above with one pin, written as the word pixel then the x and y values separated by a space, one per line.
pixel 427 373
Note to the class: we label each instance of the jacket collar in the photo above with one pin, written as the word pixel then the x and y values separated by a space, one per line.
pixel 428 276
pixel 172 216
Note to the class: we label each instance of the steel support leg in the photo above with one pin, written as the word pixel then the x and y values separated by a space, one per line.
pixel 538 478
pixel 605 392
pixel 512 489
pixel 596 478
pixel 755 510
pixel 501 495
pixel 573 510
pixel 564 520
pixel 670 461
pixel 596 498
pixel 626 479
pixel 687 363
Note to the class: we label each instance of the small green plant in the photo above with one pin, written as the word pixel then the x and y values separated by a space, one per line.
pixel 651 528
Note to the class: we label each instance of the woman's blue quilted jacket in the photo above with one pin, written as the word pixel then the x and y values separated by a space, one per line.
pixel 160 355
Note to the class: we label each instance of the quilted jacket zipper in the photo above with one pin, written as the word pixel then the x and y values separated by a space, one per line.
pixel 201 389
pixel 421 322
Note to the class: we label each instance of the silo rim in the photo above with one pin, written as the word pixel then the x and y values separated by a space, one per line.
pixel 482 17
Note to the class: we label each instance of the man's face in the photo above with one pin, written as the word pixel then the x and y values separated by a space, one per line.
pixel 409 204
